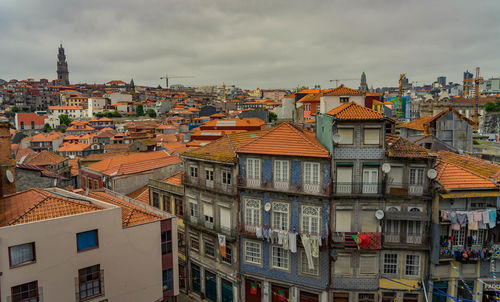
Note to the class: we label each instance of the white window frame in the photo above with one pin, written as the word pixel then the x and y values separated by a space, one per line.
pixel 193 171
pixel 209 219
pixel 193 207
pixel 370 186
pixel 258 247
pixel 304 265
pixel 459 236
pixel 389 265
pixel 279 215
pixel 253 212
pixel 253 172
pixel 281 175
pixel 414 265
pixel 226 178
pixel 312 177
pixel 310 219
pixel 276 258
pixel 209 177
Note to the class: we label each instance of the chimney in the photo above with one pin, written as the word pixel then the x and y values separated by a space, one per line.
pixel 7 176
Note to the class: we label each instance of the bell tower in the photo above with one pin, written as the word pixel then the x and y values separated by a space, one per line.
pixel 62 67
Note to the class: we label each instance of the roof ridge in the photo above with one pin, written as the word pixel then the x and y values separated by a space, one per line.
pixel 36 205
pixel 467 170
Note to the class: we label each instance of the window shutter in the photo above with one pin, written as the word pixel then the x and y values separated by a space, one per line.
pixel 343 221
pixel 346 135
pixel 208 210
pixel 344 174
pixel 372 136
pixel 396 175
pixel 368 221
pixel 343 264
pixel 367 264
pixel 225 218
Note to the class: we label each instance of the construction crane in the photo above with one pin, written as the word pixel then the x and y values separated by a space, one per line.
pixel 166 77
pixel 477 82
pixel 339 80
pixel 224 88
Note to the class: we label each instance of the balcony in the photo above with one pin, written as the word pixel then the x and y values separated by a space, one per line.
pixel 369 240
pixel 286 187
pixel 406 189
pixel 392 238
pixel 346 188
pixel 414 239
pixel 253 182
pixel 312 188
pixel 281 185
pixel 210 227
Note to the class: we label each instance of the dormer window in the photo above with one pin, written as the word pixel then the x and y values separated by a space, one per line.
pixel 344 99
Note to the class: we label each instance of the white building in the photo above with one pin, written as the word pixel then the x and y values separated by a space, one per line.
pixel 74 112
pixel 96 104
pixel 59 246
pixel 116 97
pixel 340 95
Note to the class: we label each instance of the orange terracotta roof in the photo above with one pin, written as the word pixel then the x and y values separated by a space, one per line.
pixel 131 214
pixel 286 139
pixel 141 194
pixel 342 90
pixel 26 152
pixel 312 97
pixel 475 165
pixel 417 124
pixel 175 179
pixel 224 149
pixel 44 158
pixel 353 111
pixel 36 205
pixel 27 118
pixel 73 147
pixel 74 166
pixel 65 108
pixel 454 177
pixel 46 137
pixel 397 146
pixel 252 121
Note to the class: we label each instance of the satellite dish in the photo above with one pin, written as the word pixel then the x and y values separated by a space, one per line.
pixel 336 138
pixel 10 176
pixel 386 168
pixel 379 214
pixel 431 173
pixel 267 207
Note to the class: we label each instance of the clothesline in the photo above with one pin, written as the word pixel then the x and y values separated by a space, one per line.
pixel 476 220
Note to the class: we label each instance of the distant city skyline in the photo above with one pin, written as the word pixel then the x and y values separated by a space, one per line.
pixel 282 44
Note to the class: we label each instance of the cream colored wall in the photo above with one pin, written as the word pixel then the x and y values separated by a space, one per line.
pixel 130 257
pixel 328 103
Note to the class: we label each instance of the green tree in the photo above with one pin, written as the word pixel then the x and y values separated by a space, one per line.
pixel 47 128
pixel 139 110
pixel 272 117
pixel 151 113
pixel 115 114
pixel 62 129
pixel 491 107
pixel 15 109
pixel 64 120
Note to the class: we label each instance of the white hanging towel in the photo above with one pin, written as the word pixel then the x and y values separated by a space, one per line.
pixel 306 242
pixel 292 242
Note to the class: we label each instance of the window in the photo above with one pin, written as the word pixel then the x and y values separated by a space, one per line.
pixel 459 236
pixel 209 176
pixel 392 227
pixel 311 220
pixel 368 264
pixel 389 296
pixel 279 257
pixel 194 171
pixel 27 292
pixel 229 255
pixel 346 136
pixel 87 240
pixel 412 265
pixel 32 125
pixel 209 248
pixel 370 180
pixel 195 242
pixel 179 207
pixel 390 264
pixel 156 200
pixel 477 237
pixel 225 219
pixel 89 280
pixel 343 220
pixel 344 179
pixel 304 264
pixel 22 125
pixel 280 215
pixel 253 169
pixel 226 177
pixel 371 136
pixel 166 242
pixel 181 242
pixel 395 177
pixel 252 211
pixel 368 221
pixel 166 202
pixel 193 209
pixel 342 266
pixel 311 177
pixel 22 254
pixel 344 100
pixel 168 281
pixel 96 184
pixel 366 297
pixel 416 176
pixel 208 213
pixel 281 172
pixel 253 252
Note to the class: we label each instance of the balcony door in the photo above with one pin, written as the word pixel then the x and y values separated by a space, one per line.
pixel 370 180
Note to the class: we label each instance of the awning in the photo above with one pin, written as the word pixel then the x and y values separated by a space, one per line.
pixel 393 215
pixel 470 194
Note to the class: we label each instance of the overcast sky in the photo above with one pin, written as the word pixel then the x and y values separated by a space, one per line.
pixel 266 44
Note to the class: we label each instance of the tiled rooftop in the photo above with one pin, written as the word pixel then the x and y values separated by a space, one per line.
pixel 175 179
pixel 353 111
pixel 44 158
pixel 36 205
pixel 141 194
pixel 397 146
pixel 478 166
pixel 417 124
pixel 288 140
pixel 343 90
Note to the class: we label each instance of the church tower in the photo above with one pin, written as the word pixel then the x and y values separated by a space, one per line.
pixel 62 67
pixel 363 86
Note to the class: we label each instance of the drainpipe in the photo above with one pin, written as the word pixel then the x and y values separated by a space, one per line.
pixel 238 273
pixel 329 237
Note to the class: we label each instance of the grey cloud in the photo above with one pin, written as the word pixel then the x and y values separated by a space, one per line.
pixel 277 43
